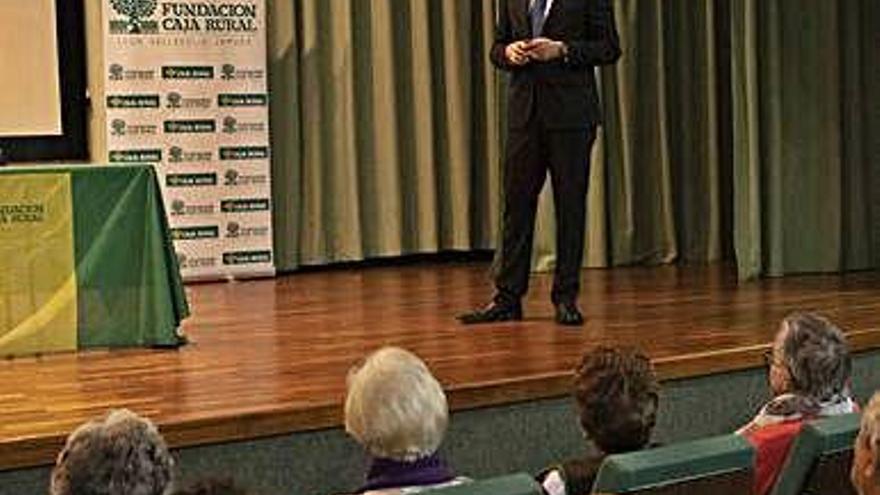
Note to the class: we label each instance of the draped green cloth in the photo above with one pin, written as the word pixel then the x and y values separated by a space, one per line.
pixel 86 260
pixel 735 130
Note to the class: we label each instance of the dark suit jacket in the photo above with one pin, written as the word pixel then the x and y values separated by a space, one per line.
pixel 562 92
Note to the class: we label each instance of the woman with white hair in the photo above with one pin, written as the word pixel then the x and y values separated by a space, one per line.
pixel 121 454
pixel 397 411
pixel 866 457
pixel 809 374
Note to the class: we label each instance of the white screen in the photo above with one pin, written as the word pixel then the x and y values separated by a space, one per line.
pixel 30 93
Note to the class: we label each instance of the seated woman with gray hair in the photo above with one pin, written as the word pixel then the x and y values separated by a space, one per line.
pixel 121 454
pixel 809 373
pixel 866 456
pixel 617 396
pixel 397 411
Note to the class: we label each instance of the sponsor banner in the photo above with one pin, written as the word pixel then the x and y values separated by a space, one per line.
pixel 186 90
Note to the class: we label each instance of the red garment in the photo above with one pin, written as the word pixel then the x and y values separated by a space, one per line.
pixel 771 443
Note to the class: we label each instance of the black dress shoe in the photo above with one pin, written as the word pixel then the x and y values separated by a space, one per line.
pixel 493 313
pixel 569 315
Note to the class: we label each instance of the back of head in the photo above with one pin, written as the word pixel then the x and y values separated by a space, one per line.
pixel 617 395
pixel 121 453
pixel 394 407
pixel 817 356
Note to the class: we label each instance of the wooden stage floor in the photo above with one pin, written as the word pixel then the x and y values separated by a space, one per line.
pixel 271 356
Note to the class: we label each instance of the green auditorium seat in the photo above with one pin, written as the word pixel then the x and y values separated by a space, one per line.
pixel 820 458
pixel 720 465
pixel 515 484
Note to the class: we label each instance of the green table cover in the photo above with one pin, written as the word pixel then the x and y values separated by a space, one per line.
pixel 86 260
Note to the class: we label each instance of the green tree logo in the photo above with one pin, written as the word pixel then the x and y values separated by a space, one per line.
pixel 137 12
pixel 233 229
pixel 117 72
pixel 118 127
pixel 230 125
pixel 178 207
pixel 232 176
pixel 228 72
pixel 174 100
pixel 175 154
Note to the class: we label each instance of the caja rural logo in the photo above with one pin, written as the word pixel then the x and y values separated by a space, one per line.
pixel 151 17
pixel 138 17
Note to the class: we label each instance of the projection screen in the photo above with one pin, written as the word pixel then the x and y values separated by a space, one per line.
pixel 30 92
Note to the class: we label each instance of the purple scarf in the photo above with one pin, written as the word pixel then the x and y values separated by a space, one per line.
pixel 388 473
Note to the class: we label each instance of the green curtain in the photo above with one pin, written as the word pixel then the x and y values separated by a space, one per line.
pixel 806 84
pixel 735 129
pixel 384 128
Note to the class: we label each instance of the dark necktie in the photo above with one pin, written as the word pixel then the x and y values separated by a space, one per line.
pixel 537 13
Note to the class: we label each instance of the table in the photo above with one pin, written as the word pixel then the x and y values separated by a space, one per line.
pixel 86 260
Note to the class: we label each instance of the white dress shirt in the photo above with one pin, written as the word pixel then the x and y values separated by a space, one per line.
pixel 546 7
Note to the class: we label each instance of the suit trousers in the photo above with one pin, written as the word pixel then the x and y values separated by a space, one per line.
pixel 532 151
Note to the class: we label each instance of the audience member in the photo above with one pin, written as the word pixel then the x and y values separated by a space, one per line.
pixel 397 411
pixel 866 460
pixel 809 372
pixel 121 454
pixel 616 392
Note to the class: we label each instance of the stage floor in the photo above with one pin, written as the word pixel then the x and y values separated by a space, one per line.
pixel 270 357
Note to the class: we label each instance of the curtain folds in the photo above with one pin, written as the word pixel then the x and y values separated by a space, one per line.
pixel 735 130
pixel 806 166
pixel 395 144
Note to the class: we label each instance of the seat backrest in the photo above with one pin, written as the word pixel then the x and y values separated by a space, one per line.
pixel 515 484
pixel 820 458
pixel 720 465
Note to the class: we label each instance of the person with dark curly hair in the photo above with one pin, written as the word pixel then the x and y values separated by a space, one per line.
pixel 121 454
pixel 617 396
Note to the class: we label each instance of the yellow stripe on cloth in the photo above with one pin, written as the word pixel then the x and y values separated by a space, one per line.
pixel 38 288
pixel 46 330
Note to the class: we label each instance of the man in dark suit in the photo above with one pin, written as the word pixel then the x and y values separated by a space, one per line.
pixel 550 48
